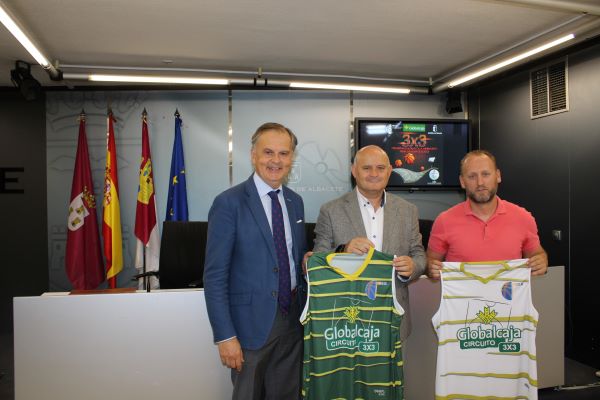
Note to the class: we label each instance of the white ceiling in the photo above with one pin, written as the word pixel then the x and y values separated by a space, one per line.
pixel 392 39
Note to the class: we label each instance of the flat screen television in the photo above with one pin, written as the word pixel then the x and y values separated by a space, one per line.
pixel 425 153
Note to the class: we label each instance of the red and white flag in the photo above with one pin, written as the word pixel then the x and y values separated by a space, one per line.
pixel 83 257
pixel 146 228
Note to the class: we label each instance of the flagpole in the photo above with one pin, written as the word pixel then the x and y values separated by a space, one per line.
pixel 112 282
pixel 146 278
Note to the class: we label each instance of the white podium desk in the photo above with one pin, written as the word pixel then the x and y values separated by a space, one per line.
pixel 147 346
pixel 159 345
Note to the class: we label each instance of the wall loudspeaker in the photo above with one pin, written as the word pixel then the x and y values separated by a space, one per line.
pixel 453 102
pixel 21 77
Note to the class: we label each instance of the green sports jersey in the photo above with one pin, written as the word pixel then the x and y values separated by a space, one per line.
pixel 351 321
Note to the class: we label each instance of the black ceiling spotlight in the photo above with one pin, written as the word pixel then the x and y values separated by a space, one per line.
pixel 21 77
pixel 454 102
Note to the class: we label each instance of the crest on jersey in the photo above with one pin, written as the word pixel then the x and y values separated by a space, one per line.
pixel 507 290
pixel 371 290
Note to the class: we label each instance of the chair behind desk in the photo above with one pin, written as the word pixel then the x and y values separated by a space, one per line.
pixel 182 254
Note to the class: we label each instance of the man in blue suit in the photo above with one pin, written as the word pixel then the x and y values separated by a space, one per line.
pixel 253 281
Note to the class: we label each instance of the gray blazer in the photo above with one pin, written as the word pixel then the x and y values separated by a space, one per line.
pixel 340 220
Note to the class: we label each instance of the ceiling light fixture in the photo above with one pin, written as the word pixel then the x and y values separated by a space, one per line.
pixel 237 82
pixel 511 60
pixel 11 23
pixel 356 88
pixel 154 79
pixel 18 33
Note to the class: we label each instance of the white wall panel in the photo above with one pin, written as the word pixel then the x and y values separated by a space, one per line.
pixel 320 120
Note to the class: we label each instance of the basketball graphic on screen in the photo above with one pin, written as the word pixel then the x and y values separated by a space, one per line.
pixel 507 290
pixel 417 146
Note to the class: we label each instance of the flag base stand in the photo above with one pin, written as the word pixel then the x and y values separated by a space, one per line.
pixel 145 275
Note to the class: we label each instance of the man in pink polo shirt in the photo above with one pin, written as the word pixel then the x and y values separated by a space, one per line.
pixel 484 227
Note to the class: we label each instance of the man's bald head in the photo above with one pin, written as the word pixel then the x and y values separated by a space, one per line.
pixel 371 150
pixel 371 170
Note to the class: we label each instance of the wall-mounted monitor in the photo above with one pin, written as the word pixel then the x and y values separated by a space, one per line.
pixel 425 153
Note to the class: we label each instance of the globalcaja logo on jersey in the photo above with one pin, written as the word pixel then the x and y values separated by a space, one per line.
pixel 353 334
pixel 489 333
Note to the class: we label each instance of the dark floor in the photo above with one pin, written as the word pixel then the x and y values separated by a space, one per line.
pixel 7 376
pixel 581 383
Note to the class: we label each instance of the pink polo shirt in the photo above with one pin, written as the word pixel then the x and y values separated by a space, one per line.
pixel 461 236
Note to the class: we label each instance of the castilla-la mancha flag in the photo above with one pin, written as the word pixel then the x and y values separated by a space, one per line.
pixel 83 258
pixel 146 228
pixel 111 223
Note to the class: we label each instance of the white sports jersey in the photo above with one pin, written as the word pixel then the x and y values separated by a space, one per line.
pixel 486 328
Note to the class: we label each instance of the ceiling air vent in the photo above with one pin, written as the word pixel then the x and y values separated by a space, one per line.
pixel 549 90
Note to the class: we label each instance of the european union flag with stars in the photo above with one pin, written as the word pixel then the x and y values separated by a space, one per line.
pixel 177 208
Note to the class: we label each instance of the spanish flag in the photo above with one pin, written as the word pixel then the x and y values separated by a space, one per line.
pixel 111 224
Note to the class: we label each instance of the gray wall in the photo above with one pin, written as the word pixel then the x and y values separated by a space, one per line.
pixel 548 166
pixel 23 238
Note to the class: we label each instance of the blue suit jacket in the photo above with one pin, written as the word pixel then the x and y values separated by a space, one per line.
pixel 240 275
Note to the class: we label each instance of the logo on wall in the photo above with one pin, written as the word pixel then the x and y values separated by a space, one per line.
pixel 295 173
pixel 323 168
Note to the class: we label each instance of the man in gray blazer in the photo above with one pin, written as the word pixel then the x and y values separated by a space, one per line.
pixel 370 217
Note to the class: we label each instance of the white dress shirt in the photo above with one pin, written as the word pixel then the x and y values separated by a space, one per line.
pixel 372 220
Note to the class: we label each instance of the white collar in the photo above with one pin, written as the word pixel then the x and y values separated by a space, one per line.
pixel 262 187
pixel 362 199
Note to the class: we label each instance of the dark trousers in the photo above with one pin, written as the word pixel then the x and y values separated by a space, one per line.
pixel 274 371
